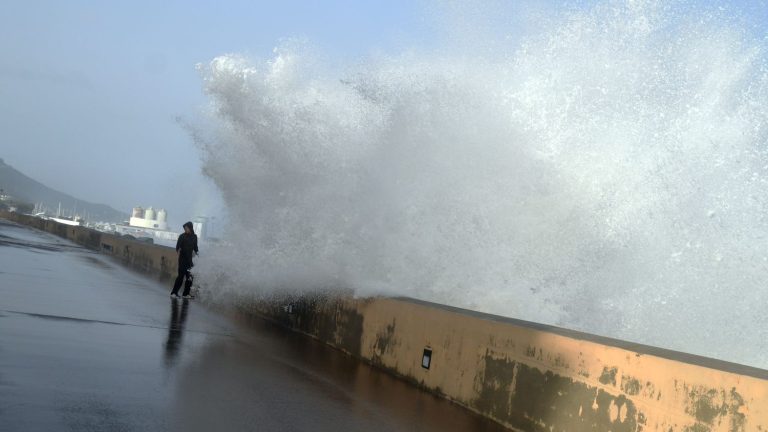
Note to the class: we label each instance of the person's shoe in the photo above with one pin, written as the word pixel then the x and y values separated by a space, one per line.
pixel 175 296
pixel 190 297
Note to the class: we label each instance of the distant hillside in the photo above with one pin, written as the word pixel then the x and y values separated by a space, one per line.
pixel 23 188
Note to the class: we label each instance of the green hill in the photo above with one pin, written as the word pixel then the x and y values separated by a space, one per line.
pixel 25 189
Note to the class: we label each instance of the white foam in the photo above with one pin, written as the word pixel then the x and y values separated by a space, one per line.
pixel 607 174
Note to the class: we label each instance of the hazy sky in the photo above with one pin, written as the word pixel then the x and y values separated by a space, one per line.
pixel 90 91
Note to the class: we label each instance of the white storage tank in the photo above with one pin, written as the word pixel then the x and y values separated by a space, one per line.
pixel 162 216
pixel 149 213
pixel 138 212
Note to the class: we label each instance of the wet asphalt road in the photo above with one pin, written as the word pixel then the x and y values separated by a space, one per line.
pixel 88 345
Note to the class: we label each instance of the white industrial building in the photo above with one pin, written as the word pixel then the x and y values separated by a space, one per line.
pixel 149 218
pixel 153 224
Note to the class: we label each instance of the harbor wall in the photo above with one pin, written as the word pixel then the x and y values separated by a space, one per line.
pixel 148 258
pixel 527 376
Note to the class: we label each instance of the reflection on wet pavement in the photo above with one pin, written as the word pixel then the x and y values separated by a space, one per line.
pixel 86 344
pixel 175 329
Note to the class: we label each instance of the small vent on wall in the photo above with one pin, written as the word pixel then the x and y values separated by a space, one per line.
pixel 426 358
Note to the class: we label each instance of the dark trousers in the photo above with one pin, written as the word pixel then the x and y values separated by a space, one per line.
pixel 184 268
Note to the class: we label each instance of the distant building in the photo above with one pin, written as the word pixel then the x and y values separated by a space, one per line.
pixel 149 218
pixel 200 224
pixel 153 224
pixel 149 224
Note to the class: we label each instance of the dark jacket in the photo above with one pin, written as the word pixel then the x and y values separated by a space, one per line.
pixel 185 246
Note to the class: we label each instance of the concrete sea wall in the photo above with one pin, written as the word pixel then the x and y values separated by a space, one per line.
pixel 533 377
pixel 148 258
pixel 527 376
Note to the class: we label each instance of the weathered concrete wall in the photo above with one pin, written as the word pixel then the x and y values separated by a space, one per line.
pixel 148 258
pixel 532 377
pixel 527 376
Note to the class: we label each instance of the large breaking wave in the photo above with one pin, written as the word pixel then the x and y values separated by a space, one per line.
pixel 607 173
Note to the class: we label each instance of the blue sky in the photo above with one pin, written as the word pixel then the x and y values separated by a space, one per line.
pixel 89 91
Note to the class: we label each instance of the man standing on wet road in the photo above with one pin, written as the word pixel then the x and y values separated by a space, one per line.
pixel 186 245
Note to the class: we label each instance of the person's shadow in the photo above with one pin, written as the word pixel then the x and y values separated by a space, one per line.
pixel 175 330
